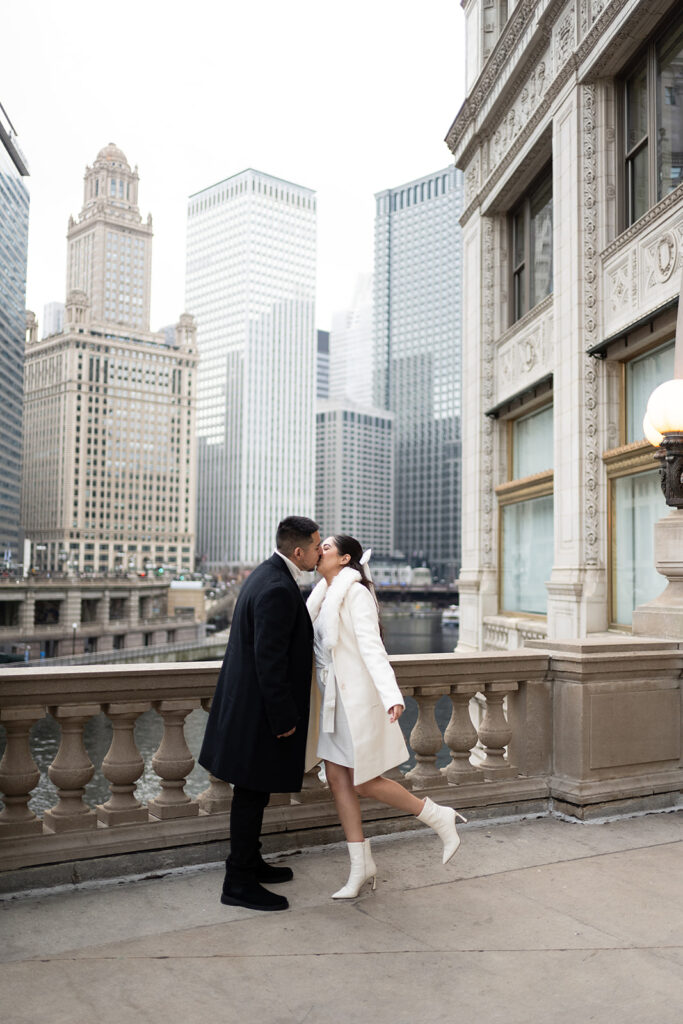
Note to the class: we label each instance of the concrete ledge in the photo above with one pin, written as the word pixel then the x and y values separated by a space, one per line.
pixel 305 826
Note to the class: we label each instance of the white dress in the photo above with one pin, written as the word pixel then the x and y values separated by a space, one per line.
pixel 334 746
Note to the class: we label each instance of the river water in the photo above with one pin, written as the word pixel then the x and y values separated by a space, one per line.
pixel 403 634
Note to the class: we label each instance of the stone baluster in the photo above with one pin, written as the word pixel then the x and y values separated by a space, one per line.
pixel 461 737
pixel 495 732
pixel 426 740
pixel 122 767
pixel 217 797
pixel 71 771
pixel 19 773
pixel 173 762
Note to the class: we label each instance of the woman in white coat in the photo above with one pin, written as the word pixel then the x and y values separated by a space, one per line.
pixel 359 736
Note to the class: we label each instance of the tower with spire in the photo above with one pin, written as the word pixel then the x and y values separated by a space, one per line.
pixel 109 253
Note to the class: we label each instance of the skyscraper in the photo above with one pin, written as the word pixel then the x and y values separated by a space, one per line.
pixel 53 318
pixel 417 339
pixel 14 204
pixel 351 369
pixel 109 247
pixel 322 373
pixel 354 473
pixel 250 282
pixel 109 450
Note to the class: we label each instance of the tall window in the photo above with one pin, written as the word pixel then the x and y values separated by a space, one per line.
pixel 653 123
pixel 635 494
pixel 531 225
pixel 527 515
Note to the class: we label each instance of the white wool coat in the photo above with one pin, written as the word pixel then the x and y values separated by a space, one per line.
pixel 366 684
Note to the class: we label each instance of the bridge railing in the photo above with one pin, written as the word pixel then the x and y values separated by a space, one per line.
pixel 524 729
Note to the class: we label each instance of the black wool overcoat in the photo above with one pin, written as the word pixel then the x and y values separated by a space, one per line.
pixel 264 686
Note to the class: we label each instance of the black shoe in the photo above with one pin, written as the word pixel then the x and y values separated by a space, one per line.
pixel 273 874
pixel 252 896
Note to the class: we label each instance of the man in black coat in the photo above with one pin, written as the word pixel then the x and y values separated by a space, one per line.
pixel 256 732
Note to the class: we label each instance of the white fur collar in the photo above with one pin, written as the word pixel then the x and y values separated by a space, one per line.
pixel 327 601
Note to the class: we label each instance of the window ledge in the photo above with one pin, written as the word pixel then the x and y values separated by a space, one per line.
pixel 536 486
pixel 520 325
pixel 629 458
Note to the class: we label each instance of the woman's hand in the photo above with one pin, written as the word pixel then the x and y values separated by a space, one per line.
pixel 395 713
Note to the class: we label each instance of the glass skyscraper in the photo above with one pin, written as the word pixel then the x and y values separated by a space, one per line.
pixel 14 204
pixel 417 360
pixel 250 283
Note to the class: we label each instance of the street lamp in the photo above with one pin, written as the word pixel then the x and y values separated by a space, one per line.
pixel 663 426
pixel 73 638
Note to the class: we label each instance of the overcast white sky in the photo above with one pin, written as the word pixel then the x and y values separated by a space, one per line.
pixel 345 98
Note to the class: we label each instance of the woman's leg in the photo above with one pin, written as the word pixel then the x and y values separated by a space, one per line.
pixel 340 781
pixel 387 791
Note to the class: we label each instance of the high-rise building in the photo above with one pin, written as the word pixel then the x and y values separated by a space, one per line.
pixel 351 376
pixel 53 318
pixel 322 372
pixel 354 473
pixel 109 247
pixel 572 227
pixel 109 411
pixel 14 204
pixel 417 357
pixel 250 282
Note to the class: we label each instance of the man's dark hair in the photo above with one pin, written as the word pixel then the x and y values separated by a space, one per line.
pixel 294 532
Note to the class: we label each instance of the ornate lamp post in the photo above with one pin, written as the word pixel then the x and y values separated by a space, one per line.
pixel 663 426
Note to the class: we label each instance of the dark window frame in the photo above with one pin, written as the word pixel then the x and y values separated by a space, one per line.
pixel 645 59
pixel 520 263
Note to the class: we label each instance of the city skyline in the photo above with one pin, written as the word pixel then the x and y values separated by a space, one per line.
pixel 299 133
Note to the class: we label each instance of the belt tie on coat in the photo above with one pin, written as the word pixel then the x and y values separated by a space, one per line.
pixel 329 697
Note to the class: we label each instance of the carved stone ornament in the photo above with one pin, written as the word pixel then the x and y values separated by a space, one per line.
pixel 661 259
pixel 591 464
pixel 487 350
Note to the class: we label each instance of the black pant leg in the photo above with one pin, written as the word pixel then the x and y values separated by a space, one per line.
pixel 246 821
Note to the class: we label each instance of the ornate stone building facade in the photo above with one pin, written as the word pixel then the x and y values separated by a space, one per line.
pixel 109 412
pixel 571 144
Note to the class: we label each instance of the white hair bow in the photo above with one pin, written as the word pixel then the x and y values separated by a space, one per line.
pixel 364 560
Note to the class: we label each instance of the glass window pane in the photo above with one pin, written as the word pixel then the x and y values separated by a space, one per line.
pixel 670 114
pixel 643 375
pixel 638 504
pixel 636 108
pixel 518 238
pixel 639 195
pixel 532 443
pixel 541 243
pixel 527 555
pixel 520 308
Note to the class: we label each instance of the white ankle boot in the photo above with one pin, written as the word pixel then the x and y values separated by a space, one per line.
pixel 442 820
pixel 363 868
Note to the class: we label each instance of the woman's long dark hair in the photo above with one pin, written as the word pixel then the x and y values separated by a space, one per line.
pixel 346 545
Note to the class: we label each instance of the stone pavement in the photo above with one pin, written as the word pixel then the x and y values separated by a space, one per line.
pixel 534 922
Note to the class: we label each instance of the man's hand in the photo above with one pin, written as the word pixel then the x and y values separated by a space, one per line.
pixel 282 735
pixel 395 713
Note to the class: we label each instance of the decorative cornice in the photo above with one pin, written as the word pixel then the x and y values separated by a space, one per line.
pixel 570 66
pixel 663 206
pixel 629 458
pixel 508 39
pixel 536 486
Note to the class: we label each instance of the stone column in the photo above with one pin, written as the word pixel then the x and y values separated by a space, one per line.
pixel 19 773
pixel 426 740
pixel 663 616
pixel 173 762
pixel 71 771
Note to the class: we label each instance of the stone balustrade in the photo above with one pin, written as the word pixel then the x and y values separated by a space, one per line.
pixel 533 731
